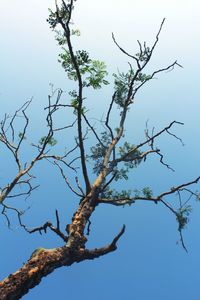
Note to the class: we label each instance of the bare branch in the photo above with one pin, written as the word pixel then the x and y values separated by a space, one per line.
pixel 178 188
pixel 67 181
pixel 93 130
pixel 108 116
pixel 182 241
pixel 126 53
pixel 65 127
pixel 51 227
pixel 97 252
pixel 151 139
pixel 88 227
pixel 168 68
pixel 79 186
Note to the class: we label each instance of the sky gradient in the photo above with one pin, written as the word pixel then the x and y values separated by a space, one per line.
pixel 148 264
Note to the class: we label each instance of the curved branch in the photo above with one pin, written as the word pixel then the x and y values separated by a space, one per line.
pixel 97 252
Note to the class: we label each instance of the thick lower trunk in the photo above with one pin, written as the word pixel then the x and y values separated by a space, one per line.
pixel 41 263
pixel 44 261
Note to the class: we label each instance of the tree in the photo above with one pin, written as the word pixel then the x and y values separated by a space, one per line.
pixel 112 158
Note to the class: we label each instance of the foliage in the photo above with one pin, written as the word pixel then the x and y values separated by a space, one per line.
pixel 94 70
pixel 182 216
pixel 129 157
pixel 48 140
pixel 144 54
pixel 130 196
pixel 98 152
pixel 123 82
pixel 130 154
pixel 121 86
pixel 147 192
pixel 21 136
pixel 116 195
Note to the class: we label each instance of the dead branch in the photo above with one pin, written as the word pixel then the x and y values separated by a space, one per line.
pixel 49 225
pixel 97 252
pixel 67 181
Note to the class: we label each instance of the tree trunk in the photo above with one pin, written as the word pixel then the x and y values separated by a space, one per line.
pixel 41 263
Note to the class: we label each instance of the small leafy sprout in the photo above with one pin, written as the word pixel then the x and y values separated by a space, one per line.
pixel 121 86
pixel 143 77
pixel 53 19
pixel 36 252
pixel 113 194
pixel 21 136
pixel 76 32
pixel 137 193
pixel 182 216
pixel 51 141
pixel 147 192
pixel 144 55
pixel 197 196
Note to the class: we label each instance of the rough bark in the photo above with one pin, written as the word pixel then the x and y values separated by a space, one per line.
pixel 44 261
pixel 39 265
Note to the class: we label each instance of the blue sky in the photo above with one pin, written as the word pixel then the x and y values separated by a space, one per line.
pixel 148 263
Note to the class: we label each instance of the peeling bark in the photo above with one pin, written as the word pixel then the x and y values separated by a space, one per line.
pixel 44 262
pixel 39 265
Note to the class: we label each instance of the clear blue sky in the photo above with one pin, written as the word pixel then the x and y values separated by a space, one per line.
pixel 148 263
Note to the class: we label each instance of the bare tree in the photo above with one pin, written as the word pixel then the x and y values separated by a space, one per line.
pixel 112 158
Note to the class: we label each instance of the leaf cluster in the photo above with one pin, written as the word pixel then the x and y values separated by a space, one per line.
pixel 121 86
pixel 98 152
pixel 182 216
pixel 62 13
pixel 131 159
pixel 144 54
pixel 48 140
pixel 123 82
pixel 94 70
pixel 115 195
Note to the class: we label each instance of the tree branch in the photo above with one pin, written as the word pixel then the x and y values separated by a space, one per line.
pixel 66 30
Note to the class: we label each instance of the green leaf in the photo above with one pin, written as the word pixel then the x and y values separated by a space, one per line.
pixel 76 32
pixel 182 216
pixel 21 136
pixel 147 192
pixel 51 141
